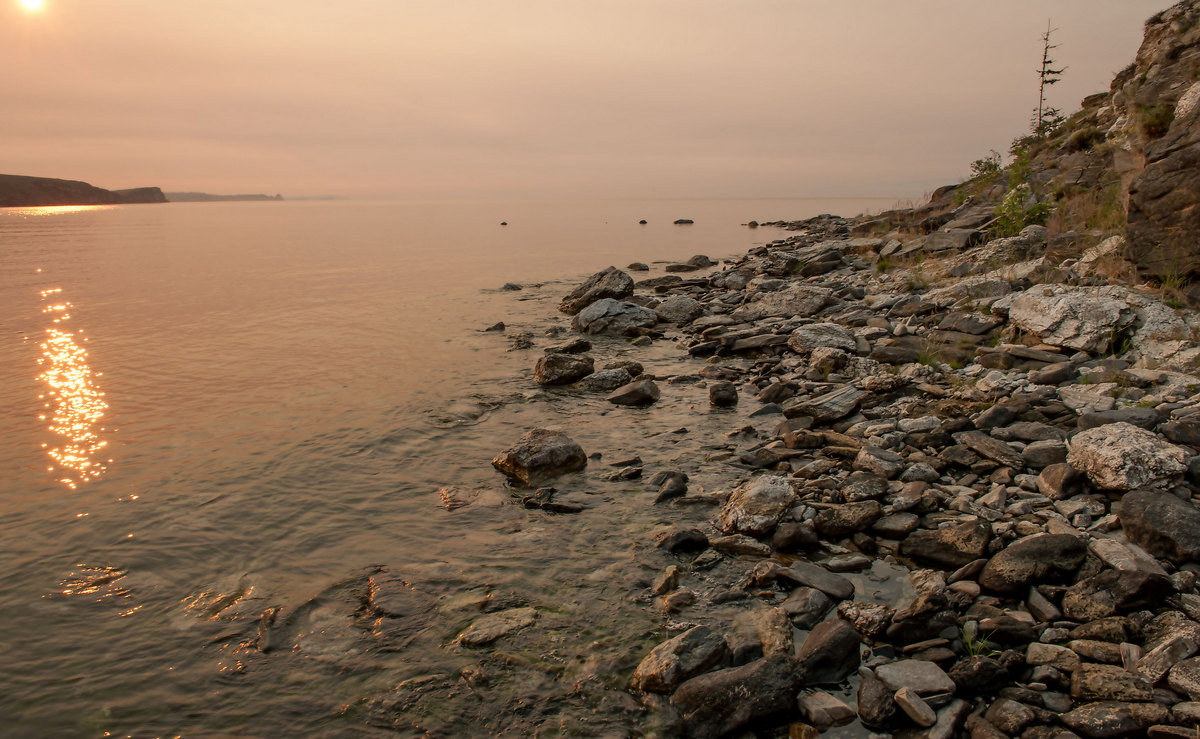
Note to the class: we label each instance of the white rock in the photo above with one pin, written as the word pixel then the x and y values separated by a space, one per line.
pixel 1121 456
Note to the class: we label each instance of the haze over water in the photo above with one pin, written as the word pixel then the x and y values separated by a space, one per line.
pixel 214 410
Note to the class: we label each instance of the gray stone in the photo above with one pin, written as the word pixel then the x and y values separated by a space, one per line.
pixel 1121 456
pixel 795 301
pixel 882 462
pixel 605 380
pixel 609 316
pixel 916 708
pixel 950 547
pixel 815 576
pixel 609 283
pixel 1072 317
pixel 1041 454
pixel 679 309
pixel 848 518
pixel 823 710
pixel 921 676
pixel 821 335
pixel 755 507
pixel 1106 719
pixel 722 394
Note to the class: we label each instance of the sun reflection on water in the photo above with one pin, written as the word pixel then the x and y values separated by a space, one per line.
pixel 76 403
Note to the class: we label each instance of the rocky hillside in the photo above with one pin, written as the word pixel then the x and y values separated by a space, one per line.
pixel 1124 164
pixel 23 191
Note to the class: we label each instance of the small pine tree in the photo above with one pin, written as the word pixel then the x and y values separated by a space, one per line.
pixel 1048 118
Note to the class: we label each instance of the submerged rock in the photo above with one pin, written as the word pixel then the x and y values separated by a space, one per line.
pixel 487 629
pixel 680 658
pixel 562 369
pixel 609 316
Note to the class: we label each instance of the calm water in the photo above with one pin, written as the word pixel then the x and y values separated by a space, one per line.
pixel 215 410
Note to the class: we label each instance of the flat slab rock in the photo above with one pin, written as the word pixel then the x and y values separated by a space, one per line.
pixel 925 678
pixel 487 629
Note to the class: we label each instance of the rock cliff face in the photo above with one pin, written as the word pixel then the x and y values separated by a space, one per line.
pixel 1158 104
pixel 22 191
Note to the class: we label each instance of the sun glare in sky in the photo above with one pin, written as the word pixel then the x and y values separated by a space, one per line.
pixel 32 4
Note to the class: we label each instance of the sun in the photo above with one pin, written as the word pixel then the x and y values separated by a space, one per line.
pixel 32 5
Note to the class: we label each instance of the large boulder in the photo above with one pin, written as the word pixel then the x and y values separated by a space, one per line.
pixel 716 703
pixel 1162 524
pixel 1072 317
pixel 1034 559
pixel 539 456
pixel 830 653
pixel 609 316
pixel 1121 456
pixel 756 506
pixel 562 369
pixel 609 283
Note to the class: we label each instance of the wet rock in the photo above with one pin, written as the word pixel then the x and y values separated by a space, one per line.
pixel 1121 456
pixel 722 394
pixel 682 539
pixel 1162 524
pixel 755 507
pixel 562 369
pixel 876 709
pixel 740 544
pixel 636 393
pixel 574 346
pixel 679 309
pixel 394 596
pixel 487 629
pixel 673 485
pixel 1034 559
pixel 815 576
pixel 609 316
pixel 680 658
pixel 1077 318
pixel 609 283
pixel 821 335
pixel 540 455
pixel 829 653
pixel 717 703
pixel 950 547
pixel 807 607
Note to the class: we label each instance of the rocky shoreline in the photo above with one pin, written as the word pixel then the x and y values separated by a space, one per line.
pixel 1021 438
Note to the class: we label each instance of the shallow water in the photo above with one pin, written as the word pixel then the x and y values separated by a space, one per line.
pixel 253 406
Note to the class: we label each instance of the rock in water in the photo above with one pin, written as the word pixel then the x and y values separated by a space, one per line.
pixel 830 653
pixel 716 703
pixel 609 283
pixel 539 456
pixel 562 369
pixel 609 316
pixel 723 394
pixel 487 629
pixel 1121 456
pixel 636 393
pixel 1162 524
pixel 755 507
pixel 691 653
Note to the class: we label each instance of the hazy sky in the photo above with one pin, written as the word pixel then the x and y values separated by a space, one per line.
pixel 485 98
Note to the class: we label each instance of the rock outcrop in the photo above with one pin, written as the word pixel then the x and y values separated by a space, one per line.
pixel 24 191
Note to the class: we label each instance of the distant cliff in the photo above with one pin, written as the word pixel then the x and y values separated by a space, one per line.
pixel 204 197
pixel 22 191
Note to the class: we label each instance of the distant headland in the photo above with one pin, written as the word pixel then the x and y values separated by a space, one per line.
pixel 23 191
pixel 204 197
